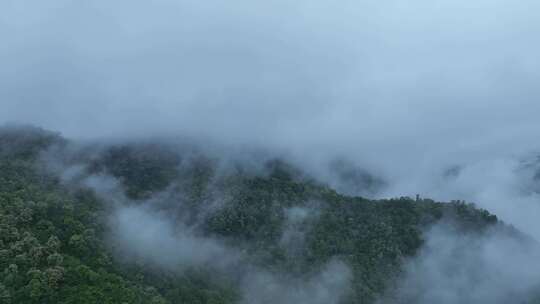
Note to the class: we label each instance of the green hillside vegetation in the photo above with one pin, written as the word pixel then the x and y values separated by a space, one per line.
pixel 53 245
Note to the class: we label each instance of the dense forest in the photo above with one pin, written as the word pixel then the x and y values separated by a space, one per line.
pixel 58 243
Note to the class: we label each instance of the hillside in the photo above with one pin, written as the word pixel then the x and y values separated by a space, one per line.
pixel 148 223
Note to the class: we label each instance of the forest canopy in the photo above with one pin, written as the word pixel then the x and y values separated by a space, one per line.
pixel 229 234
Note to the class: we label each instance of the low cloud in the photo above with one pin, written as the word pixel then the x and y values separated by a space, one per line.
pixel 327 287
pixel 497 266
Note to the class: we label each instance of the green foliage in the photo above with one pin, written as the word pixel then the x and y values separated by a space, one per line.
pixel 142 169
pixel 52 240
pixel 52 247
pixel 25 142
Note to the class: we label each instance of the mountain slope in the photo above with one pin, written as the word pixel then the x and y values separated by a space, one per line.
pixel 63 239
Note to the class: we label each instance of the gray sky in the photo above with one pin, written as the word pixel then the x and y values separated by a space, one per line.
pixel 405 89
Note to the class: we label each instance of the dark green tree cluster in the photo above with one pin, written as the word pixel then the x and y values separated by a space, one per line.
pixel 52 247
pixel 143 168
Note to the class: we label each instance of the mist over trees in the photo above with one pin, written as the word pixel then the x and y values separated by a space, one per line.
pixel 264 152
pixel 80 228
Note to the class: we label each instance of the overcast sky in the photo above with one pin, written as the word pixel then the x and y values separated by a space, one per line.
pixel 406 89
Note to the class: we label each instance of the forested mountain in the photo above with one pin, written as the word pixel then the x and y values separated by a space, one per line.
pixel 144 223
